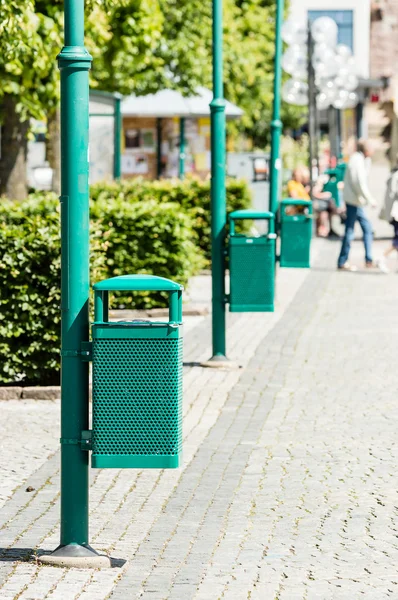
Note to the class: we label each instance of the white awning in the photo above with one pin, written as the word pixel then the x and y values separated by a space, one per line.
pixel 170 103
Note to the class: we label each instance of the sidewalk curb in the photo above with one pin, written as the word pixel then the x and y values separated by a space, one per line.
pixel 48 392
pixel 34 392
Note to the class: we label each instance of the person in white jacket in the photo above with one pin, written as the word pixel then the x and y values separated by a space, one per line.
pixel 356 197
pixel 389 213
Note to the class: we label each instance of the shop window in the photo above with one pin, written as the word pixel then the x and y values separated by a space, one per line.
pixel 132 138
pixel 344 20
pixel 140 139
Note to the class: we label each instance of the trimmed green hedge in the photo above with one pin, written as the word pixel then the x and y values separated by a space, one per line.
pixel 146 237
pixel 193 195
pixel 160 228
pixel 30 270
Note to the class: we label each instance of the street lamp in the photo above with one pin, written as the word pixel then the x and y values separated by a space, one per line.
pixel 276 123
pixel 181 158
pixel 218 194
pixel 218 190
pixel 74 62
pixel 330 80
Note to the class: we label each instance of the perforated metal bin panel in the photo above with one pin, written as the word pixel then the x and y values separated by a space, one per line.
pixel 137 396
pixel 296 232
pixel 252 274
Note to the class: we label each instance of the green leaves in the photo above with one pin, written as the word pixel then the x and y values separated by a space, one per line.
pixel 192 196
pixel 160 228
pixel 129 61
pixel 29 43
pixel 141 46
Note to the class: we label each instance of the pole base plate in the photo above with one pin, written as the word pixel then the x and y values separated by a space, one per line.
pixel 219 362
pixel 74 555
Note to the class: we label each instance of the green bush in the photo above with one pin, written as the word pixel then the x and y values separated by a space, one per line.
pixel 160 228
pixel 145 237
pixel 148 237
pixel 193 195
pixel 30 273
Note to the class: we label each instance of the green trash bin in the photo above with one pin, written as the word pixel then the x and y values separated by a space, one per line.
pixel 335 176
pixel 296 233
pixel 251 265
pixel 137 381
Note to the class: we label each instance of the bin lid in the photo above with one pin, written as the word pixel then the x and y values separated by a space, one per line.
pixel 294 202
pixel 251 214
pixel 146 283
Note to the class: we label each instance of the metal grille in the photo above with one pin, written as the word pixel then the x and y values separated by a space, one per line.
pixel 296 240
pixel 252 274
pixel 137 396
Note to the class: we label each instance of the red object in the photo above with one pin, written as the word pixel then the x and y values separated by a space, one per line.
pixel 375 97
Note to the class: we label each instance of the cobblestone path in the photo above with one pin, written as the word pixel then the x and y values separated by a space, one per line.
pixel 289 487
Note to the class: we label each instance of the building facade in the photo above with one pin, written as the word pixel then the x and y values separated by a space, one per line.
pixel 353 21
pixel 384 39
pixel 142 156
pixel 370 29
pixel 383 113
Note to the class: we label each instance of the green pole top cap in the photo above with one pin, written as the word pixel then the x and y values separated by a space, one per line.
pixel 139 283
pixel 250 214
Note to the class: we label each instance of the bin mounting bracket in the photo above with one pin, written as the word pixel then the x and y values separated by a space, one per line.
pixel 84 442
pixel 85 353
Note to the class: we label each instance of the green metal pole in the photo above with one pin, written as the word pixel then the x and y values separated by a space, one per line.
pixel 218 194
pixel 117 138
pixel 311 106
pixel 158 148
pixel 339 133
pixel 74 63
pixel 276 123
pixel 332 135
pixel 181 172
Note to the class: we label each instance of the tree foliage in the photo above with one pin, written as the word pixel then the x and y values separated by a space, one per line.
pixel 30 39
pixel 249 49
pixel 31 36
pixel 129 60
pixel 140 46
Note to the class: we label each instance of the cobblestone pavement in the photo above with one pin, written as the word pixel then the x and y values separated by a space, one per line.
pixel 29 434
pixel 37 422
pixel 288 489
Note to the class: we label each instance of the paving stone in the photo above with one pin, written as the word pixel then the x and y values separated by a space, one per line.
pixel 288 487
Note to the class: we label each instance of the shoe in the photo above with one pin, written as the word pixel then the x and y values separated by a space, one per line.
pixel 371 265
pixel 322 231
pixel 347 267
pixel 381 264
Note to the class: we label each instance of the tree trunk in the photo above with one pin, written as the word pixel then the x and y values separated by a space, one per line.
pixel 14 149
pixel 53 148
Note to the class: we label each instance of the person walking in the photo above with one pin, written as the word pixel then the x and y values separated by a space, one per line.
pixel 389 213
pixel 356 197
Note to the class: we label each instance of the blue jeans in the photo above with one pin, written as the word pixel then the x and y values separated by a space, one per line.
pixel 356 213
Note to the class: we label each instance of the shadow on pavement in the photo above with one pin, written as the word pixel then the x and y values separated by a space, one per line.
pixel 17 554
pixel 30 554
